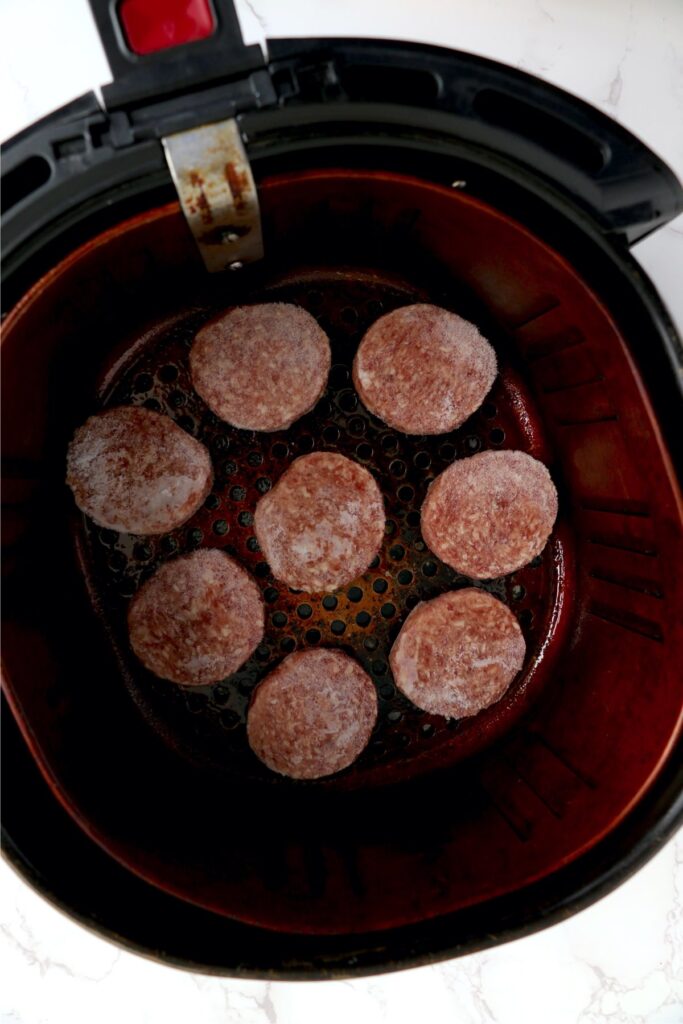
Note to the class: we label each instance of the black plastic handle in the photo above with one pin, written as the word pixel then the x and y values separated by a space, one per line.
pixel 489 107
pixel 553 135
pixel 353 98
pixel 143 78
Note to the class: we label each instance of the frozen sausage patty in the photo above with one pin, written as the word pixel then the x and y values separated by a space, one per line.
pixel 490 514
pixel 423 370
pixel 322 524
pixel 458 653
pixel 198 619
pixel 313 715
pixel 261 367
pixel 135 471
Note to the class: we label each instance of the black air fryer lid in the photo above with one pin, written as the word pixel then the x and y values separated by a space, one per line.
pixel 179 66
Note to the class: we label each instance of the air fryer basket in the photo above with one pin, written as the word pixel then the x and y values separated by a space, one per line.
pixel 315 858
pixel 444 834
pixel 364 618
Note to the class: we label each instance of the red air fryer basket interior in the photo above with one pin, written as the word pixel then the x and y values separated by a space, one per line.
pixel 435 815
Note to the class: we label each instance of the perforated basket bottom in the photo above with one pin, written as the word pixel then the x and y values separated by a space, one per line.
pixel 206 724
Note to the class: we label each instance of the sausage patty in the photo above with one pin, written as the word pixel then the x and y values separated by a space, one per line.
pixel 313 715
pixel 458 653
pixel 261 367
pixel 490 514
pixel 198 619
pixel 135 471
pixel 322 524
pixel 423 370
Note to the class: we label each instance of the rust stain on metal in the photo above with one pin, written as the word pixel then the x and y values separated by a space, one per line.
pixel 204 209
pixel 215 186
pixel 201 204
pixel 238 183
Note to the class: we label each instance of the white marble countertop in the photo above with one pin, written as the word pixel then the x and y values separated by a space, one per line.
pixel 618 962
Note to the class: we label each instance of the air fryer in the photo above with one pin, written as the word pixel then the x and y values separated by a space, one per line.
pixel 384 173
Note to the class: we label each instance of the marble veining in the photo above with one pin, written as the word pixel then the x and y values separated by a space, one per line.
pixel 618 962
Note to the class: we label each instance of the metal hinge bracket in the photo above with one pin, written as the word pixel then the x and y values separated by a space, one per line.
pixel 212 175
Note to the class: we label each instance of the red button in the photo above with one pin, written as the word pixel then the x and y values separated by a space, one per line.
pixel 151 25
